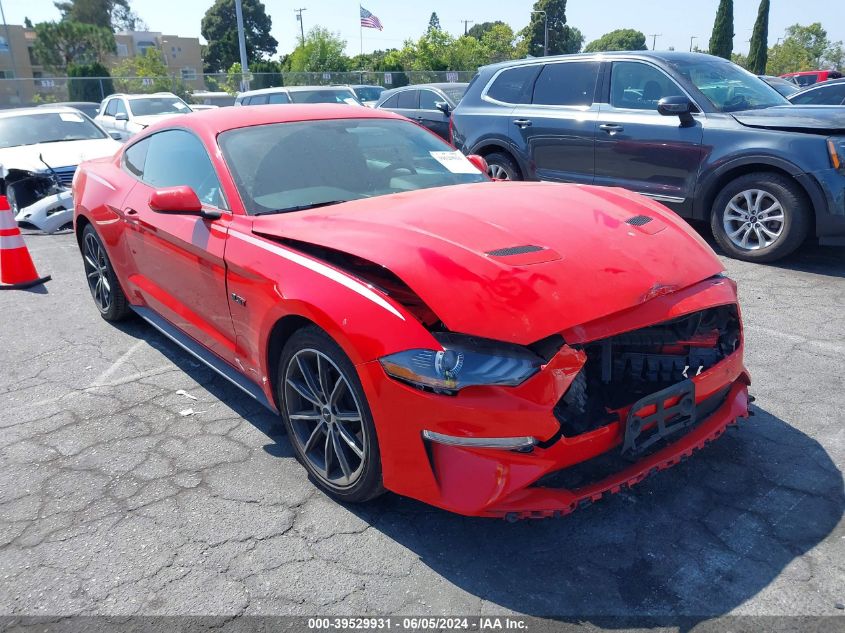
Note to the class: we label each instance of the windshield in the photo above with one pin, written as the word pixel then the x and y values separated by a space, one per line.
pixel 292 166
pixel 368 93
pixel 730 88
pixel 158 105
pixel 324 95
pixel 455 93
pixel 50 127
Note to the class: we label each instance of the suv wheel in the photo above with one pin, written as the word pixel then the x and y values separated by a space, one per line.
pixel 502 167
pixel 760 217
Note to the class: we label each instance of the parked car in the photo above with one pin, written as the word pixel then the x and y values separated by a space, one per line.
pixel 830 92
pixel 205 97
pixel 88 108
pixel 430 105
pixel 810 77
pixel 298 94
pixel 783 86
pixel 40 149
pixel 368 95
pixel 419 328
pixel 695 132
pixel 128 114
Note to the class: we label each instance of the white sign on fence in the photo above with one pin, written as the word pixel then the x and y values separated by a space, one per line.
pixel 327 76
pixel 452 77
pixel 388 79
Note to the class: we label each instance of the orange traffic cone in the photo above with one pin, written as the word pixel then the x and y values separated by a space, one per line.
pixel 16 267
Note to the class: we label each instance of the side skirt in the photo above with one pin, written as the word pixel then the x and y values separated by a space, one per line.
pixel 199 352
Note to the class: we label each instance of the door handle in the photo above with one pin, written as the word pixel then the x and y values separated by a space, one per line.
pixel 611 127
pixel 522 123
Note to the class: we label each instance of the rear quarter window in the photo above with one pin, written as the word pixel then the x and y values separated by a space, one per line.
pixel 514 85
pixel 390 102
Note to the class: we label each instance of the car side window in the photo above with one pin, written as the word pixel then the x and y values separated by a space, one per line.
pixel 408 99
pixel 177 157
pixel 428 99
pixel 566 84
pixel 278 97
pixel 258 100
pixel 827 95
pixel 111 108
pixel 514 85
pixel 391 102
pixel 119 107
pixel 135 156
pixel 636 86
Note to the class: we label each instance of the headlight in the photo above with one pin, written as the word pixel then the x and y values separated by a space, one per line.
pixel 464 361
pixel 836 151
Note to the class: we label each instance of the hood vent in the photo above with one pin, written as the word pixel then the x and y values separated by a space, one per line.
pixel 638 220
pixel 514 250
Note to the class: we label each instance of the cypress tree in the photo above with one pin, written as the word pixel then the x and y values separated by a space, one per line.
pixel 722 39
pixel 758 54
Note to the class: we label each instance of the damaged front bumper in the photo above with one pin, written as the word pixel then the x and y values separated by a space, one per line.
pixel 49 214
pixel 509 452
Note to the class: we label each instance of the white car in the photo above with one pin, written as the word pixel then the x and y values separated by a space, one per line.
pixel 129 114
pixel 40 149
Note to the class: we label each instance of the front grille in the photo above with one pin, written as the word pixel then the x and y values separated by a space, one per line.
pixel 65 174
pixel 514 250
pixel 622 369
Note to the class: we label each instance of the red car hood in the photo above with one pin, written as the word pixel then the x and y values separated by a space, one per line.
pixel 450 245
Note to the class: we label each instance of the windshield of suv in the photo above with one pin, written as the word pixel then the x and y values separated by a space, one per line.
pixel 50 127
pixel 325 95
pixel 730 88
pixel 158 105
pixel 368 93
pixel 283 167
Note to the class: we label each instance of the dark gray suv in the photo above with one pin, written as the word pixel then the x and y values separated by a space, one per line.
pixel 697 133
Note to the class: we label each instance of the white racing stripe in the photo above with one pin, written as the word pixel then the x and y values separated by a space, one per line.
pixel 321 269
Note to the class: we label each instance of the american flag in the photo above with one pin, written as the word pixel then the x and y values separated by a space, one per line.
pixel 369 21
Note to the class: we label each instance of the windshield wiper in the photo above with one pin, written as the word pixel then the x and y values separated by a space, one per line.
pixel 302 207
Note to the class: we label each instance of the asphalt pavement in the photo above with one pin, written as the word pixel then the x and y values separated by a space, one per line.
pixel 121 494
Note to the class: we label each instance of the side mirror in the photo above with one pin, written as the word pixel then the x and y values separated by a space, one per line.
pixel 443 107
pixel 121 116
pixel 478 162
pixel 116 136
pixel 179 200
pixel 680 107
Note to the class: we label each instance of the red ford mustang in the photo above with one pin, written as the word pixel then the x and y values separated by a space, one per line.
pixel 492 348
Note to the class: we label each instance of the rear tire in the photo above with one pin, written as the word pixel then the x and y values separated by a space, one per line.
pixel 760 217
pixel 102 282
pixel 327 417
pixel 502 167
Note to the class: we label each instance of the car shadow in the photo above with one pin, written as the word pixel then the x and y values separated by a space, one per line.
pixel 688 544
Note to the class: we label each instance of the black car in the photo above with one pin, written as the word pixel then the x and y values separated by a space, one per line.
pixel 430 105
pixel 698 133
pixel 830 92
pixel 783 86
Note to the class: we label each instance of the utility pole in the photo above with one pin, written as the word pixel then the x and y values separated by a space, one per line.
pixel 301 25
pixel 691 38
pixel 239 16
pixel 466 22
pixel 545 32
pixel 654 37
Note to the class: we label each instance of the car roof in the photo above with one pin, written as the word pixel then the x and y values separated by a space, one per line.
pixel 365 86
pixel 69 104
pixel 821 84
pixel 222 119
pixel 142 95
pixel 36 110
pixel 664 56
pixel 277 89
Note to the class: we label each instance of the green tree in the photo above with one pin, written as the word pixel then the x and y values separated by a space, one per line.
pixel 146 73
pixel 232 83
pixel 266 74
pixel 497 43
pixel 322 51
pixel 562 38
pixel 28 23
pixel 741 60
pixel 110 14
pixel 60 44
pixel 618 40
pixel 758 52
pixel 722 39
pixel 804 48
pixel 82 88
pixel 434 22
pixel 478 30
pixel 219 28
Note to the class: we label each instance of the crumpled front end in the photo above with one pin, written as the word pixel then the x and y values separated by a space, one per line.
pixel 624 397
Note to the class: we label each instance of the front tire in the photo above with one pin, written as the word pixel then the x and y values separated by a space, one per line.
pixel 760 217
pixel 502 167
pixel 327 417
pixel 102 282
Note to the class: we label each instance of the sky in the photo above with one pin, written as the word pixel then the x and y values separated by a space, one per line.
pixel 674 21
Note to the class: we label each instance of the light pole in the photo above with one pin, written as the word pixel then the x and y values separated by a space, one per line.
pixel 692 37
pixel 239 15
pixel 545 32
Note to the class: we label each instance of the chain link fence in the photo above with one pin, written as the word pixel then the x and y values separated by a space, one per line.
pixel 40 90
